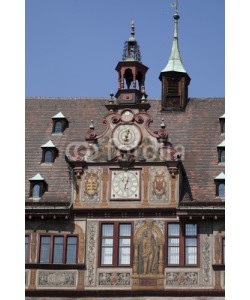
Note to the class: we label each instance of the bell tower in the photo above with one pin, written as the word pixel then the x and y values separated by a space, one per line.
pixel 174 77
pixel 131 73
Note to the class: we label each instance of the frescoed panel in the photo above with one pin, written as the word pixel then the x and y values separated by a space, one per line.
pixel 158 185
pixel 91 186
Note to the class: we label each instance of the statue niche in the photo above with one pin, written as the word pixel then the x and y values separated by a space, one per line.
pixel 148 255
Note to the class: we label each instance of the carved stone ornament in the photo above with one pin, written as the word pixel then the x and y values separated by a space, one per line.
pixel 182 278
pixel 27 272
pixel 91 251
pixel 78 171
pixel 57 279
pixel 114 279
pixel 206 261
pixel 206 254
pixel 173 171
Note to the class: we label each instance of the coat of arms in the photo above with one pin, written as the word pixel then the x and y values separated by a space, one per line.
pixel 91 183
pixel 159 183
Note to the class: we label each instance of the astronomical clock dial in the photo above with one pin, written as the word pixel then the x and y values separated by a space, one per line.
pixel 125 185
pixel 126 137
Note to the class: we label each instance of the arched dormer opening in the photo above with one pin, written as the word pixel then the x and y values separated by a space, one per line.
pixel 129 78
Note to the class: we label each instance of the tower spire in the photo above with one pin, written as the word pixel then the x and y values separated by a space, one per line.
pixel 131 51
pixel 131 73
pixel 174 77
pixel 175 62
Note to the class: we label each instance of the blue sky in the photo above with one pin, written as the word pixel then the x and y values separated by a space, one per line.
pixel 73 46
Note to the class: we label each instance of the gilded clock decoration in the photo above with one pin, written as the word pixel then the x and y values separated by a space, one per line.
pixel 126 137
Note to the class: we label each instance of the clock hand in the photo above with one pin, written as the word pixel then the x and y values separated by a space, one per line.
pixel 125 138
pixel 125 185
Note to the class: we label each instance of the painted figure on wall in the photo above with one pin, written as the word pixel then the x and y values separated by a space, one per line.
pixel 149 252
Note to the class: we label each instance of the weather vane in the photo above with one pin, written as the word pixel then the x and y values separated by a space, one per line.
pixel 175 4
pixel 133 28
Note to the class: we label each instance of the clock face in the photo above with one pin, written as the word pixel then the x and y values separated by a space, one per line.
pixel 126 137
pixel 125 185
pixel 127 116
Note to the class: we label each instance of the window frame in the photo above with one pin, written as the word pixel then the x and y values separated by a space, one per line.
pixel 182 247
pixel 116 240
pixel 64 125
pixel 168 237
pixel 53 154
pixel 28 248
pixel 42 185
pixel 222 125
pixel 220 150
pixel 52 249
pixel 217 183
pixel 223 250
pixel 185 246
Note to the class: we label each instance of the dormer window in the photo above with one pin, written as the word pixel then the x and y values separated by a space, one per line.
pixel 222 156
pixel 37 186
pixel 60 123
pixel 48 156
pixel 49 152
pixel 36 191
pixel 221 190
pixel 220 185
pixel 58 126
pixel 222 124
pixel 221 152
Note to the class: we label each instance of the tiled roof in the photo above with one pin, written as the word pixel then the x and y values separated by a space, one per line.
pixel 197 129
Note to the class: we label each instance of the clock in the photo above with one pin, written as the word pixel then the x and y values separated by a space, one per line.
pixel 125 185
pixel 126 137
pixel 127 116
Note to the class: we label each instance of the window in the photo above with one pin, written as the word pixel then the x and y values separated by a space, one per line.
pixel 37 186
pixel 50 152
pixel 220 189
pixel 58 249
pixel 60 123
pixel 223 251
pixel 26 248
pixel 45 249
pixel 222 125
pixel 124 244
pixel 182 244
pixel 58 126
pixel 173 87
pixel 115 244
pixel 222 155
pixel 36 191
pixel 190 244
pixel 48 156
pixel 173 244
